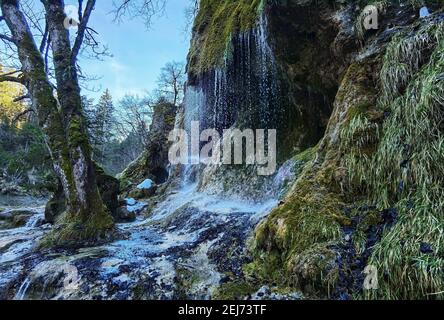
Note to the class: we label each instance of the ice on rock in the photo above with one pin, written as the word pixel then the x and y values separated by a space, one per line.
pixel 137 207
pixel 424 12
pixel 130 201
pixel 147 184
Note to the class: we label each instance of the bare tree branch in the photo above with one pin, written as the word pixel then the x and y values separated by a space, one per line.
pixel 145 9
pixel 23 97
pixel 6 38
pixel 82 28
pixel 22 114
pixel 45 39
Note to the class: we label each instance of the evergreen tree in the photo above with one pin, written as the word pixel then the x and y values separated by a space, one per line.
pixel 100 121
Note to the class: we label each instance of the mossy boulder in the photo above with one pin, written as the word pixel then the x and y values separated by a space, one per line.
pixel 153 162
pixel 124 215
pixel 138 193
pixel 55 206
pixel 16 218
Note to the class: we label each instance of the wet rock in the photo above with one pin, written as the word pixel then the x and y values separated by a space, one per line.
pixel 16 218
pixel 124 215
pixel 56 205
pixel 182 251
pixel 21 220
pixel 426 248
pixel 8 188
pixel 153 162
pixel 267 293
pixel 135 206
pixel 142 193
pixel 109 188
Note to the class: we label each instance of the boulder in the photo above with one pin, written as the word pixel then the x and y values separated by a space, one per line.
pixel 10 219
pixel 55 206
pixel 20 220
pixel 124 215
pixel 153 162
pixel 144 190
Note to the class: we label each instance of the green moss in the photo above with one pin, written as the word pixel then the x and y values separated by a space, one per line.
pixel 77 134
pixel 234 291
pixel 295 245
pixel 80 230
pixel 388 152
pixel 366 220
pixel 306 155
pixel 185 282
pixel 215 24
pixel 310 216
pixel 416 186
pixel 403 169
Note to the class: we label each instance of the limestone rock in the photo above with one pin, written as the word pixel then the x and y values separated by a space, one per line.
pixel 153 162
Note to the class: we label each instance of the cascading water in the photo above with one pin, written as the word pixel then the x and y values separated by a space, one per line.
pixel 179 249
pixel 23 289
pixel 244 91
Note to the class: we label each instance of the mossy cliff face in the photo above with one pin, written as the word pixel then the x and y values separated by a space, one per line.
pixel 276 65
pixel 153 163
pixel 373 193
pixel 265 64
pixel 298 242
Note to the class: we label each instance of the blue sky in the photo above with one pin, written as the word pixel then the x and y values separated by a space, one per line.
pixel 138 53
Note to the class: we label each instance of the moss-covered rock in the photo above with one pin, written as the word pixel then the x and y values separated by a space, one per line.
pixel 234 291
pixel 382 124
pixel 15 218
pixel 217 21
pixel 153 162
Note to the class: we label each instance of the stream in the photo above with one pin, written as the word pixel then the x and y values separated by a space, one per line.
pixel 184 249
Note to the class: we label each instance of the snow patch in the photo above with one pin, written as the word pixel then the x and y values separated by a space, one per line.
pixel 424 12
pixel 130 201
pixel 147 184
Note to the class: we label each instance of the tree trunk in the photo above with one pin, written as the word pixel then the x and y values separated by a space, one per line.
pixel 86 218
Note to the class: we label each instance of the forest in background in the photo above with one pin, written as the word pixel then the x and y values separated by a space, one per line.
pixel 354 212
pixel 118 131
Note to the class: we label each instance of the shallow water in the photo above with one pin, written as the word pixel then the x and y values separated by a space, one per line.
pixel 10 201
pixel 184 243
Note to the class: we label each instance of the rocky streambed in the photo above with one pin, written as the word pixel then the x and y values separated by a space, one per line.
pixel 191 244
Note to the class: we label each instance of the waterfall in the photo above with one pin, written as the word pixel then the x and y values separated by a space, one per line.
pixel 268 87
pixel 195 101
pixel 21 293
pixel 34 221
pixel 242 92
